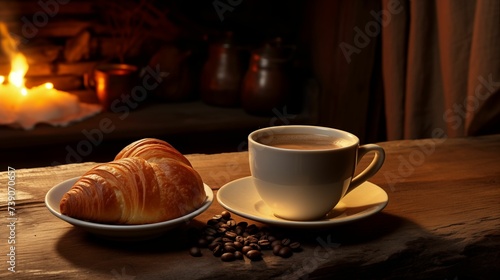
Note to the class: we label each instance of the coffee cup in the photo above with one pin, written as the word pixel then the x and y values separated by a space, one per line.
pixel 301 172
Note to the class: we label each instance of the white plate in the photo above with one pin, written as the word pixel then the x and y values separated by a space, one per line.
pixel 241 198
pixel 119 232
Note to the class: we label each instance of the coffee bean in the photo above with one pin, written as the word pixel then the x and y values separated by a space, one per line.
pixel 276 249
pixel 219 223
pixel 285 252
pixel 254 255
pixel 227 239
pixel 212 245
pixel 210 231
pixel 225 215
pixel 238 245
pixel 239 230
pixel 230 240
pixel 264 243
pixel 230 234
pixel 276 242
pixel 229 249
pixel 238 255
pixel 219 249
pixel 239 238
pixel 252 229
pixel 195 252
pixel 245 249
pixel 228 257
pixel 202 242
pixel 295 246
pixel 252 239
pixel 242 225
pixel 217 239
pixel 209 238
pixel 231 223
pixel 285 241
pixel 255 246
pixel 217 217
pixel 212 222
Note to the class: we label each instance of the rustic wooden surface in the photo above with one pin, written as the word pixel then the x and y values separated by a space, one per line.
pixel 442 222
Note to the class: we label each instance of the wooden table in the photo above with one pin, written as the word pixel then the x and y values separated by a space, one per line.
pixel 442 222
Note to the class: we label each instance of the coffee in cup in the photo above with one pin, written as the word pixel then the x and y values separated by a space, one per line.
pixel 302 172
pixel 300 141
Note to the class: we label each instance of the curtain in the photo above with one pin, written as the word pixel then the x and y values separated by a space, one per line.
pixel 432 70
pixel 441 68
pixel 346 66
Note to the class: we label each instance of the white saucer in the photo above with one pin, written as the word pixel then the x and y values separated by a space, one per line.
pixel 241 198
pixel 119 232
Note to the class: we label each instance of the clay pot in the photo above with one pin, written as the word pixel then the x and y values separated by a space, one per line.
pixel 268 82
pixel 222 74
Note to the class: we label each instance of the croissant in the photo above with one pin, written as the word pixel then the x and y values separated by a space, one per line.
pixel 152 150
pixel 146 183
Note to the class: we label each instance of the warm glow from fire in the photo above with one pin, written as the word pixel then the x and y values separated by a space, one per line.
pixel 19 67
pixel 23 107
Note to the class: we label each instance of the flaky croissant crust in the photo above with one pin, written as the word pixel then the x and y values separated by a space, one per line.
pixel 133 190
pixel 152 150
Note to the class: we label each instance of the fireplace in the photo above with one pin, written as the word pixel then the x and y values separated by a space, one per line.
pixel 65 41
pixel 175 45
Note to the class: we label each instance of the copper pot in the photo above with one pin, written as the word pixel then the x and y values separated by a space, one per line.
pixel 112 82
pixel 268 82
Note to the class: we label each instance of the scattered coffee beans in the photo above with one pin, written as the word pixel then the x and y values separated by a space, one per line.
pixel 228 257
pixel 254 255
pixel 195 252
pixel 295 246
pixel 225 215
pixel 231 241
pixel 218 250
pixel 285 252
pixel 238 255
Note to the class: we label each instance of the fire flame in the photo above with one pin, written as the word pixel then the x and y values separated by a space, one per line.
pixel 19 68
pixel 20 106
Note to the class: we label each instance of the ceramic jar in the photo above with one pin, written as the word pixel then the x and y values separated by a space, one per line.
pixel 222 74
pixel 268 81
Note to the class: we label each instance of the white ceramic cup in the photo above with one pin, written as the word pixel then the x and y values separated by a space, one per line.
pixel 305 184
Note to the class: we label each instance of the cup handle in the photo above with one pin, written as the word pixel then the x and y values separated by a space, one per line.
pixel 372 169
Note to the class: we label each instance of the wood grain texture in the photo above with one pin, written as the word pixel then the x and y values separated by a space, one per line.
pixel 442 222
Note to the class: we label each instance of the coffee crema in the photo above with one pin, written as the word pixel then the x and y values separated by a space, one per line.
pixel 300 141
